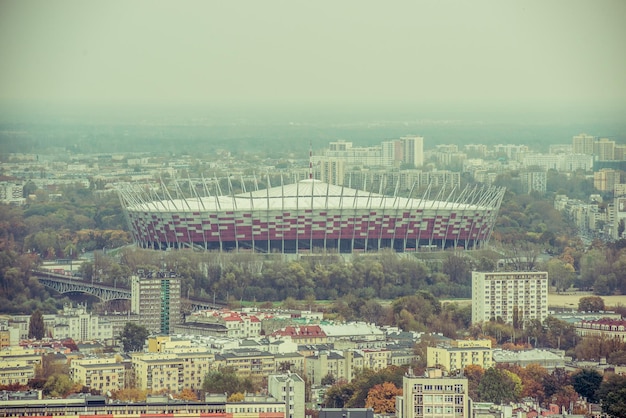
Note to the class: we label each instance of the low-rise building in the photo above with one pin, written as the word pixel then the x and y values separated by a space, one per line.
pixel 18 365
pixel 102 374
pixel 605 327
pixel 304 334
pixel 544 358
pixel 172 369
pixel 433 395
pixel 225 322
pixel 460 354
pixel 247 362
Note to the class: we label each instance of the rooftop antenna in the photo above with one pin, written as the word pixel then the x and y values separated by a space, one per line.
pixel 310 161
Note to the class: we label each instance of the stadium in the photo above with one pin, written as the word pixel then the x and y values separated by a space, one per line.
pixel 309 215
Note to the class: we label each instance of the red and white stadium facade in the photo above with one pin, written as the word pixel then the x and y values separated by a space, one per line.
pixel 308 216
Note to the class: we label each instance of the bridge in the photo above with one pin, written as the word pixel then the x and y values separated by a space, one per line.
pixel 65 284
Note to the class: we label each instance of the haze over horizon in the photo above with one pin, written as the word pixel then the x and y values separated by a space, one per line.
pixel 459 55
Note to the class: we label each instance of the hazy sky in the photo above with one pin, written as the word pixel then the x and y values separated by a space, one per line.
pixel 313 51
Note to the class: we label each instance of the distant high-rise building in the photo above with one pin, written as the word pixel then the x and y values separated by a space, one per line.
pixel 332 170
pixel 604 149
pixel 157 302
pixel 620 152
pixel 583 144
pixel 392 153
pixel 511 295
pixel 413 150
pixel 534 181
pixel 606 179
pixel 433 395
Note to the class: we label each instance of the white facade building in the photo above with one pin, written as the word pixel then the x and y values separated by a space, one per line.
pixel 511 295
pixel 288 388
pixel 433 396
pixel 78 324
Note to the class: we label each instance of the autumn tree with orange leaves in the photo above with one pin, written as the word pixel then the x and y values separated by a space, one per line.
pixel 382 398
pixel 187 395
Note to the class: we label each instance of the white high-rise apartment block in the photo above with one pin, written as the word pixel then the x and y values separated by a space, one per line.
pixel 413 150
pixel 583 144
pixel 511 295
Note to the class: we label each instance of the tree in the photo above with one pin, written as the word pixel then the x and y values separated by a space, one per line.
pixel 329 379
pixel 532 381
pixel 561 273
pixel 474 374
pixel 586 383
pixel 36 327
pixel 590 304
pixel 338 395
pixel 60 385
pixel 133 337
pixel 236 397
pixel 130 395
pixel 612 395
pixel 226 381
pixel 382 398
pixel 187 394
pixel 499 386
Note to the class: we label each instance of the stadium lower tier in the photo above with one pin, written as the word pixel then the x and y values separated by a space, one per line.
pixel 285 233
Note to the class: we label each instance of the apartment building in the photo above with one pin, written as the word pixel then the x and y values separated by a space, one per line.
pixel 172 369
pixel 304 334
pixel 604 149
pixel 103 374
pixel 18 365
pixel 376 359
pixel 12 193
pixel 331 363
pixel 433 396
pixel 605 327
pixel 247 362
pixel 289 389
pixel 460 354
pixel 534 181
pixel 237 324
pixel 156 300
pixel 606 179
pixel 514 296
pixel 583 144
pixel 76 323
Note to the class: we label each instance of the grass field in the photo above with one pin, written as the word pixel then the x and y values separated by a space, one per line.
pixel 567 301
pixel 570 300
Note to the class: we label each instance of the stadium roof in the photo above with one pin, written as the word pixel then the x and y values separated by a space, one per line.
pixel 307 194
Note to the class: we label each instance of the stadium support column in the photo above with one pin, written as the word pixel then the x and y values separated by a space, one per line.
pixel 432 233
pixel 475 215
pixel 326 216
pixel 408 220
pixel 267 214
pixel 354 217
pixel 369 212
pixel 312 216
pixel 251 220
pixel 395 221
pixel 297 219
pixel 450 213
pixel 218 206
pixel 383 204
